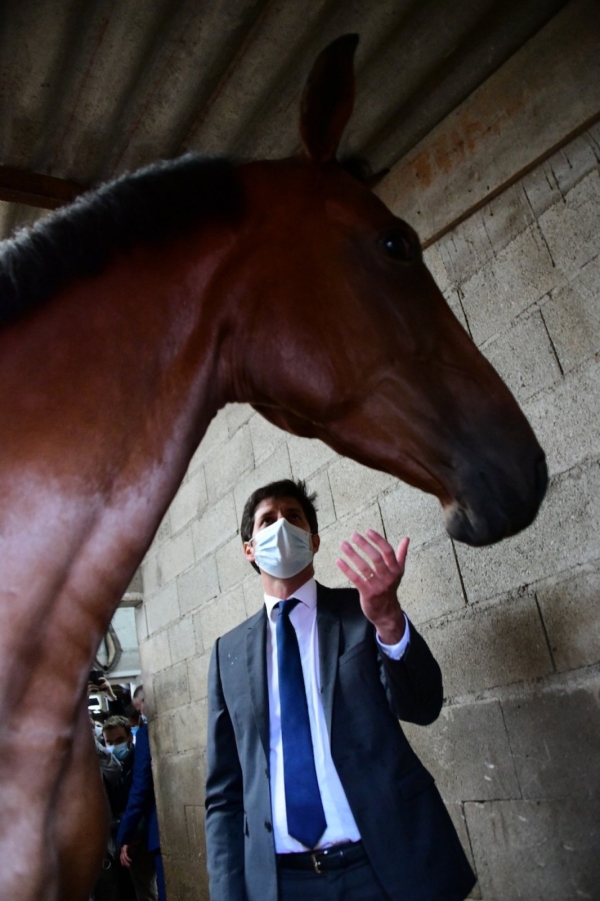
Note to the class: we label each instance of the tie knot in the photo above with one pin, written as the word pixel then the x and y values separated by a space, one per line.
pixel 286 607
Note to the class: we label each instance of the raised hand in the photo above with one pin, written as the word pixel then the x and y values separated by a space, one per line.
pixel 377 580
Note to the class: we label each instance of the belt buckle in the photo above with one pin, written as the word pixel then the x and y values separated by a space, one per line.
pixel 316 863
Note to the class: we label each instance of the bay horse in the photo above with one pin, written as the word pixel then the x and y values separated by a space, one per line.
pixel 128 320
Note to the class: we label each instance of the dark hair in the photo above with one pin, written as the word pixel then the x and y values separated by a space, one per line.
pixel 132 713
pixel 283 488
pixel 114 722
pixel 78 241
pixel 138 691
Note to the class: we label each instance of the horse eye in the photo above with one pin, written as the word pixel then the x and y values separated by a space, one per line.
pixel 399 247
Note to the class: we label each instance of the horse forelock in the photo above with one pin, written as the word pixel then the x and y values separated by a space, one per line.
pixel 80 240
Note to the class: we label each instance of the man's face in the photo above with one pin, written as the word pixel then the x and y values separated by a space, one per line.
pixel 269 511
pixel 116 735
pixel 139 702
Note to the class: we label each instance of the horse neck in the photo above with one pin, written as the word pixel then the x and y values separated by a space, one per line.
pixel 107 392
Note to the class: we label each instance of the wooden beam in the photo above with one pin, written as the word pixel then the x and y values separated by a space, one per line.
pixel 32 189
pixel 539 100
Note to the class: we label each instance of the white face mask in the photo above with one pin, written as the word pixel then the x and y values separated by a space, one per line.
pixel 283 550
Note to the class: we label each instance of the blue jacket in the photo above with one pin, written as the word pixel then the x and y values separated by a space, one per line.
pixel 141 802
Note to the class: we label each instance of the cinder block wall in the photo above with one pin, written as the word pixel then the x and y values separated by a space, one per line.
pixel 516 627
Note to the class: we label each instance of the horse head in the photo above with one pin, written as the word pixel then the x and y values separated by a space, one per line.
pixel 350 340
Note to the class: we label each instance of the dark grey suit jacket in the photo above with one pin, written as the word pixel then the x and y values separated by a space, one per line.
pixel 407 833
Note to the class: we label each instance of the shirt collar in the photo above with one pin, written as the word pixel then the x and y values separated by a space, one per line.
pixel 307 593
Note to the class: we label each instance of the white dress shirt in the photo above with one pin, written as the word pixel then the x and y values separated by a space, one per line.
pixel 341 826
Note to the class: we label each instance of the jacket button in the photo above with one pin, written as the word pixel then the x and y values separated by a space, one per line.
pixel 268 826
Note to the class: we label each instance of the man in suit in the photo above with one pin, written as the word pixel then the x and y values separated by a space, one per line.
pixel 138 837
pixel 313 791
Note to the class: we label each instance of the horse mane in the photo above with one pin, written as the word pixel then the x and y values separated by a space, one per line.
pixel 80 240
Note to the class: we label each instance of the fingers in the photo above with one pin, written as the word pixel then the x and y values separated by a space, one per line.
pixel 382 565
pixel 401 553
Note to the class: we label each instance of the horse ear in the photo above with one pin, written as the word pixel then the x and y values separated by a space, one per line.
pixel 328 99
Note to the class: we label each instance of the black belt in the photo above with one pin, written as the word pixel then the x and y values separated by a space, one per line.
pixel 335 858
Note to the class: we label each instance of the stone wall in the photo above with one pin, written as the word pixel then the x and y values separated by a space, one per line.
pixel 515 627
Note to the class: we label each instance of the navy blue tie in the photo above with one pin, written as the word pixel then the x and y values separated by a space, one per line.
pixel 305 816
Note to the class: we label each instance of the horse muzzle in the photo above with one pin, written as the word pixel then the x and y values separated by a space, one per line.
pixel 491 505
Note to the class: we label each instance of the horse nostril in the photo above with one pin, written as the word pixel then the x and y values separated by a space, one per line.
pixel 541 478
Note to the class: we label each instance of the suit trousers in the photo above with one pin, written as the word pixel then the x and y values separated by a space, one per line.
pixel 354 883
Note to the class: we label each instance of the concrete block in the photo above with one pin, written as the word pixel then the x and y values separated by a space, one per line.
pixel 326 571
pixel 572 316
pixel 171 688
pixel 489 645
pixel 307 455
pixel 265 437
pixel 566 419
pixel 453 299
pixel 162 608
pixel 572 163
pixel 431 585
pixel 460 824
pixel 540 189
pixel 524 358
pixel 254 596
pixel 198 585
pixel 195 818
pixel 189 500
pixel 141 623
pixel 319 483
pixel 186 881
pixel 220 616
pixel 506 217
pixel 468 753
pixel 216 434
pixel 198 676
pixel 536 850
pixel 236 415
pixel 151 573
pixel 163 533
pixel 227 463
pixel 182 640
pixel 353 484
pixel 189 726
pixel 465 249
pixel 175 556
pixel 507 285
pixel 136 586
pixel 554 737
pixel 232 565
pixel 162 736
pixel 275 467
pixel 564 535
pixel 571 228
pixel 434 262
pixel 155 653
pixel 186 772
pixel 217 524
pixel 570 610
pixel 408 511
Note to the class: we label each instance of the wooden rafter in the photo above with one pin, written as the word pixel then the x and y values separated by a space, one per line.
pixel 33 189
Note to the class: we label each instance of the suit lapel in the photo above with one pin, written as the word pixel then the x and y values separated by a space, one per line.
pixel 256 655
pixel 328 629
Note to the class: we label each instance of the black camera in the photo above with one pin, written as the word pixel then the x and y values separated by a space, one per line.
pixel 96 676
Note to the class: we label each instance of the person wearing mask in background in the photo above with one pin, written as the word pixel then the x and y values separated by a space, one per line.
pixel 107 888
pixel 140 817
pixel 313 792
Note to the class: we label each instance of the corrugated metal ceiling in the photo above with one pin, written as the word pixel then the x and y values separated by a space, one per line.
pixel 92 88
